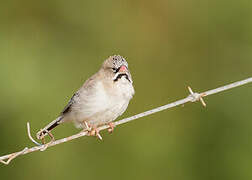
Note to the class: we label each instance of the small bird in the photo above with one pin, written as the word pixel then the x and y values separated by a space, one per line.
pixel 101 99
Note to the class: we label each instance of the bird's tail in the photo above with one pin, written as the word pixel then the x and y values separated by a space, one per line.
pixel 43 132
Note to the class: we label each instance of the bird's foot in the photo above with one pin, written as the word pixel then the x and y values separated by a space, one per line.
pixel 111 127
pixel 43 140
pixel 93 131
pixel 42 135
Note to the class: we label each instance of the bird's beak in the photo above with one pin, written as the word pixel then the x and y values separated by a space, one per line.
pixel 123 69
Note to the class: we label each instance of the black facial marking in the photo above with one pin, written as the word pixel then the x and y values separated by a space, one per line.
pixel 121 75
pixel 116 70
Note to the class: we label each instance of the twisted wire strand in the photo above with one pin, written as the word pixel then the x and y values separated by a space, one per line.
pixel 6 159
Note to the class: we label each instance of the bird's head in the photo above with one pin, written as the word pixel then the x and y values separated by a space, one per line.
pixel 118 67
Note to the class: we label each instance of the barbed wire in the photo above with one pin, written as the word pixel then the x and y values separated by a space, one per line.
pixel 193 97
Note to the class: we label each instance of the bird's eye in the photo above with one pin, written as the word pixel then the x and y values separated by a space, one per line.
pixel 115 70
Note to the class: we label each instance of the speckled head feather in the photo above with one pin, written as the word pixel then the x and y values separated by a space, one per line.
pixel 115 61
pixel 112 66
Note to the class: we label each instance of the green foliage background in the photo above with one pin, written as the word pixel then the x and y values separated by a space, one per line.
pixel 49 48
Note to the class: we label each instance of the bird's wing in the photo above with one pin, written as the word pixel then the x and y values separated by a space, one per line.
pixel 87 86
pixel 69 104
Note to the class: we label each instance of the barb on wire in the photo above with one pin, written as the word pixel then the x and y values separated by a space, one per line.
pixel 197 96
pixel 6 159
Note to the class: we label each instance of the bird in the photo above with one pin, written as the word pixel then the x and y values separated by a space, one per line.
pixel 99 101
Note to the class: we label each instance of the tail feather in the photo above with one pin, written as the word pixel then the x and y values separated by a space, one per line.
pixel 43 132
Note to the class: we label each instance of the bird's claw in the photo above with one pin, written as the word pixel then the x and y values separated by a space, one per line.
pixel 42 135
pixel 93 131
pixel 111 127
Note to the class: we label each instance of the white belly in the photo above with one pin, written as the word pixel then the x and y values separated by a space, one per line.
pixel 100 107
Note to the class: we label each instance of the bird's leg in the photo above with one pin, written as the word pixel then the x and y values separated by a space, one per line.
pixel 92 131
pixel 111 127
pixel 42 137
pixel 43 140
pixel 51 136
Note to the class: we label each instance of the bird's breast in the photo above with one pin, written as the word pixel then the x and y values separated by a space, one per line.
pixel 104 104
pixel 123 88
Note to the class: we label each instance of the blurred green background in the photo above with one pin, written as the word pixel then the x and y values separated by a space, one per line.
pixel 49 48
